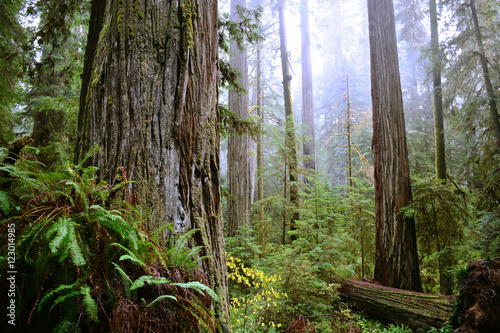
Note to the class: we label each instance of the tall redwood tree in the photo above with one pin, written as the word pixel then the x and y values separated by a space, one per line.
pixel 396 259
pixel 149 100
pixel 239 201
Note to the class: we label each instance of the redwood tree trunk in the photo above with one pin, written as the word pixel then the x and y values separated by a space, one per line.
pixel 437 95
pixel 396 245
pixel 260 147
pixel 239 202
pixel 290 136
pixel 309 145
pixel 149 100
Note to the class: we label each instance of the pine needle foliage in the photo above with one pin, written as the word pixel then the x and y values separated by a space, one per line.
pixel 86 262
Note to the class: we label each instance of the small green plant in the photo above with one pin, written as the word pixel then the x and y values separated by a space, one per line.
pixel 82 256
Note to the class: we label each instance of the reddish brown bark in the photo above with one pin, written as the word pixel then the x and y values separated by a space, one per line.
pixel 396 246
pixel 149 100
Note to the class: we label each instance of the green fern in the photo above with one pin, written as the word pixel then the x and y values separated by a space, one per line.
pixel 66 241
pixel 71 288
pixel 127 282
pixel 199 287
pixel 63 327
pixel 161 298
pixel 113 221
pixel 89 303
pixel 130 256
pixel 179 253
pixel 4 202
pixel 150 280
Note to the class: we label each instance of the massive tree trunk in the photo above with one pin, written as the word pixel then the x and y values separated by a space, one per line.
pixel 396 245
pixel 290 136
pixel 486 73
pixel 149 100
pixel 238 158
pixel 309 145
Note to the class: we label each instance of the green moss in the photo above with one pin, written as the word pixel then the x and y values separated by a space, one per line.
pixel 131 30
pixel 141 15
pixel 188 12
pixel 110 101
pixel 119 23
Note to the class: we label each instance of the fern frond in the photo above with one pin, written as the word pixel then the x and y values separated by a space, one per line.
pixel 89 303
pixel 63 298
pixel 58 290
pixel 131 255
pixel 4 202
pixel 132 259
pixel 160 298
pixel 81 193
pixel 75 246
pixel 113 221
pixel 126 280
pixel 150 245
pixel 182 240
pixel 63 327
pixel 199 287
pixel 66 240
pixel 61 230
pixel 140 282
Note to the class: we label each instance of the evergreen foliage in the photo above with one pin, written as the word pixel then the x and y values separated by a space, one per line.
pixel 86 261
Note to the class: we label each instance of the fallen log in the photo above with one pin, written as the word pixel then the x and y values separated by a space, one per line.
pixel 413 309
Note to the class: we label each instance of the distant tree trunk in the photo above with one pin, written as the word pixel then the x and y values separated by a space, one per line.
pixel 486 73
pixel 396 245
pixel 260 151
pixel 349 150
pixel 149 100
pixel 437 94
pixel 290 136
pixel 238 159
pixel 308 147
pixel 444 279
pixel 337 35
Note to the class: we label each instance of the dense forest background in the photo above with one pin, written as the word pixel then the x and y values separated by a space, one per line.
pixel 296 220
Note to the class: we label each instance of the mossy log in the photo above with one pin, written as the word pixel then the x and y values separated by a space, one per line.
pixel 414 309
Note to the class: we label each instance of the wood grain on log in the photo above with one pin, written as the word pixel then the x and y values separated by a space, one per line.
pixel 414 309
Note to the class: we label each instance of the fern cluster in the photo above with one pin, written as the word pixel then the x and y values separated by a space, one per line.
pixel 88 265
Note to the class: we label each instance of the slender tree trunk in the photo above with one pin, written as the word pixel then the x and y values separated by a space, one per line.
pixel 444 279
pixel 308 147
pixel 396 245
pixel 349 151
pixel 486 73
pixel 290 136
pixel 260 150
pixel 238 160
pixel 149 100
pixel 437 95
pixel 337 35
